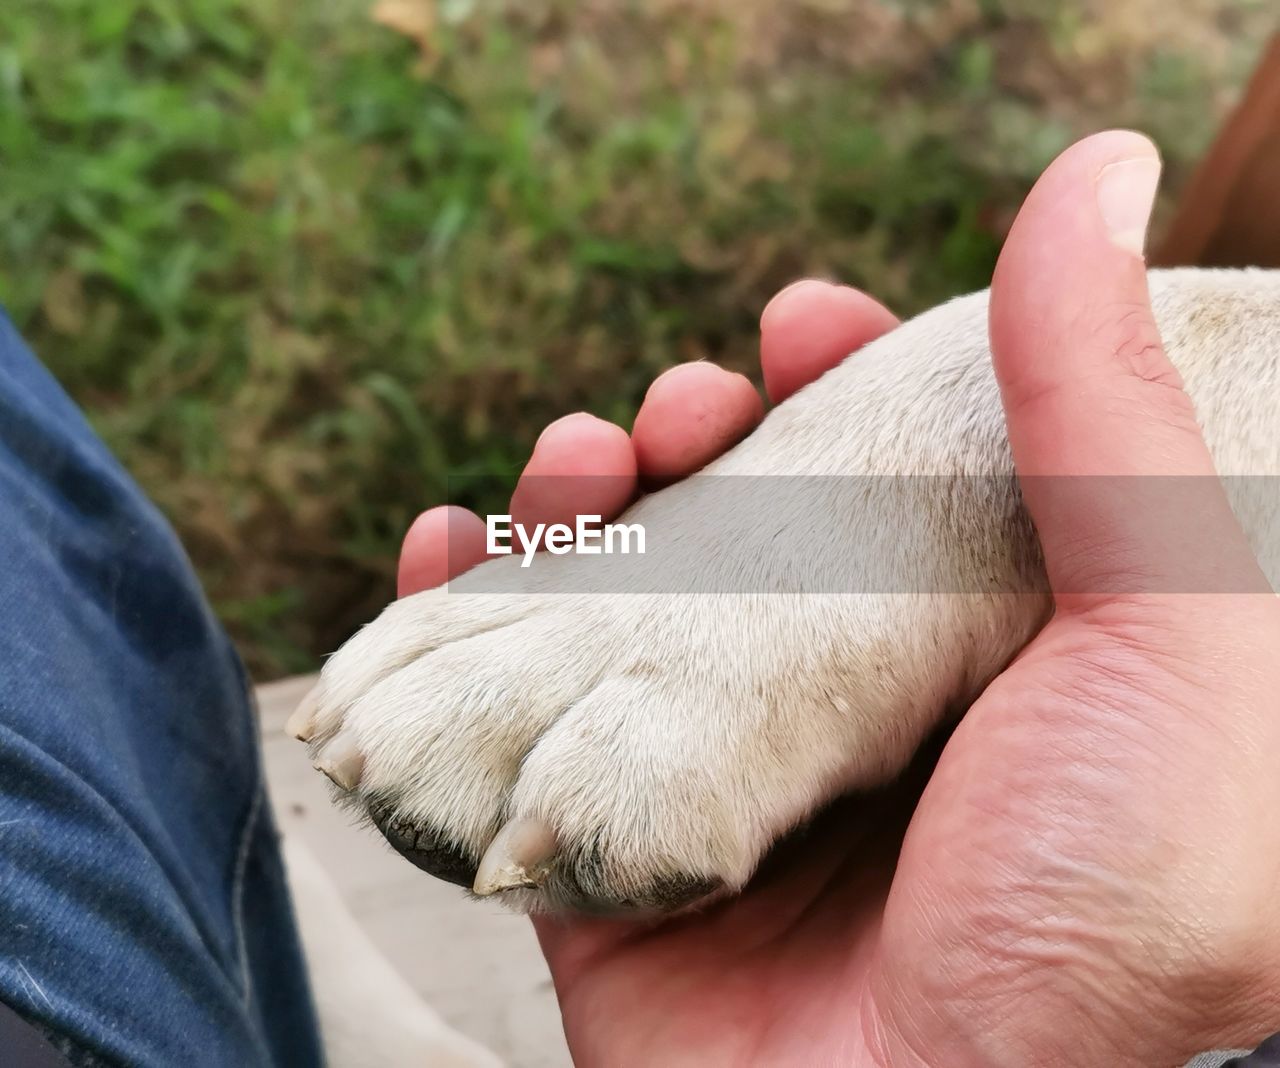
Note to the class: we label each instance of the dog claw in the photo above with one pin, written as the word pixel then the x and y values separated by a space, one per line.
pixel 342 762
pixel 302 724
pixel 517 858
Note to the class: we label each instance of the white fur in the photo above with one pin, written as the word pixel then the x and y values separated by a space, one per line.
pixel 665 734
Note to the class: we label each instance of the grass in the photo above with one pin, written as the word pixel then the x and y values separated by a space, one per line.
pixel 302 265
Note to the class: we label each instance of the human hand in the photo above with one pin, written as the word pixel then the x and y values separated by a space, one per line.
pixel 1089 876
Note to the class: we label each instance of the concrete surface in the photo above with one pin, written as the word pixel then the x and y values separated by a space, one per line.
pixel 477 964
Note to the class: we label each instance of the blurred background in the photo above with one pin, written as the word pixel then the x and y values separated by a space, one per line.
pixel 303 262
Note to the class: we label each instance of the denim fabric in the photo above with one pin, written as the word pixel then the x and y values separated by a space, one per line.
pixel 144 917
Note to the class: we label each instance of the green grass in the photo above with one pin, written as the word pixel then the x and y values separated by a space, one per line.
pixel 300 273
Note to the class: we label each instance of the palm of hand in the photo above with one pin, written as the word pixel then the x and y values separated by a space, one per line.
pixel 772 976
pixel 1009 898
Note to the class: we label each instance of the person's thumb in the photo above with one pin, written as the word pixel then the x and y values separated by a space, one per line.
pixel 1113 468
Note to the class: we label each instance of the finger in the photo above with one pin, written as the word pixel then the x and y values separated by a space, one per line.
pixel 692 414
pixel 1098 419
pixel 580 465
pixel 441 544
pixel 811 326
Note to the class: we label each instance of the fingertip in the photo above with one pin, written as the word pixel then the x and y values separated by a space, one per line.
pixel 781 300
pixel 812 325
pixel 1059 246
pixel 581 441
pixel 439 545
pixel 581 465
pixel 691 414
pixel 1070 315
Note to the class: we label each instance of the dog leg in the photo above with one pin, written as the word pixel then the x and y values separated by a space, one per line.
pixel 653 743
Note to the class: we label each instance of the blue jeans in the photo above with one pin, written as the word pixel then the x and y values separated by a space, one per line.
pixel 144 915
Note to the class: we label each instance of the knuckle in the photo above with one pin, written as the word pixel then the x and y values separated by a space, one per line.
pixel 1132 339
pixel 1136 344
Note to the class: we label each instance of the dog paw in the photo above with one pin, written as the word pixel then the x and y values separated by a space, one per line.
pixel 594 752
pixel 613 750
